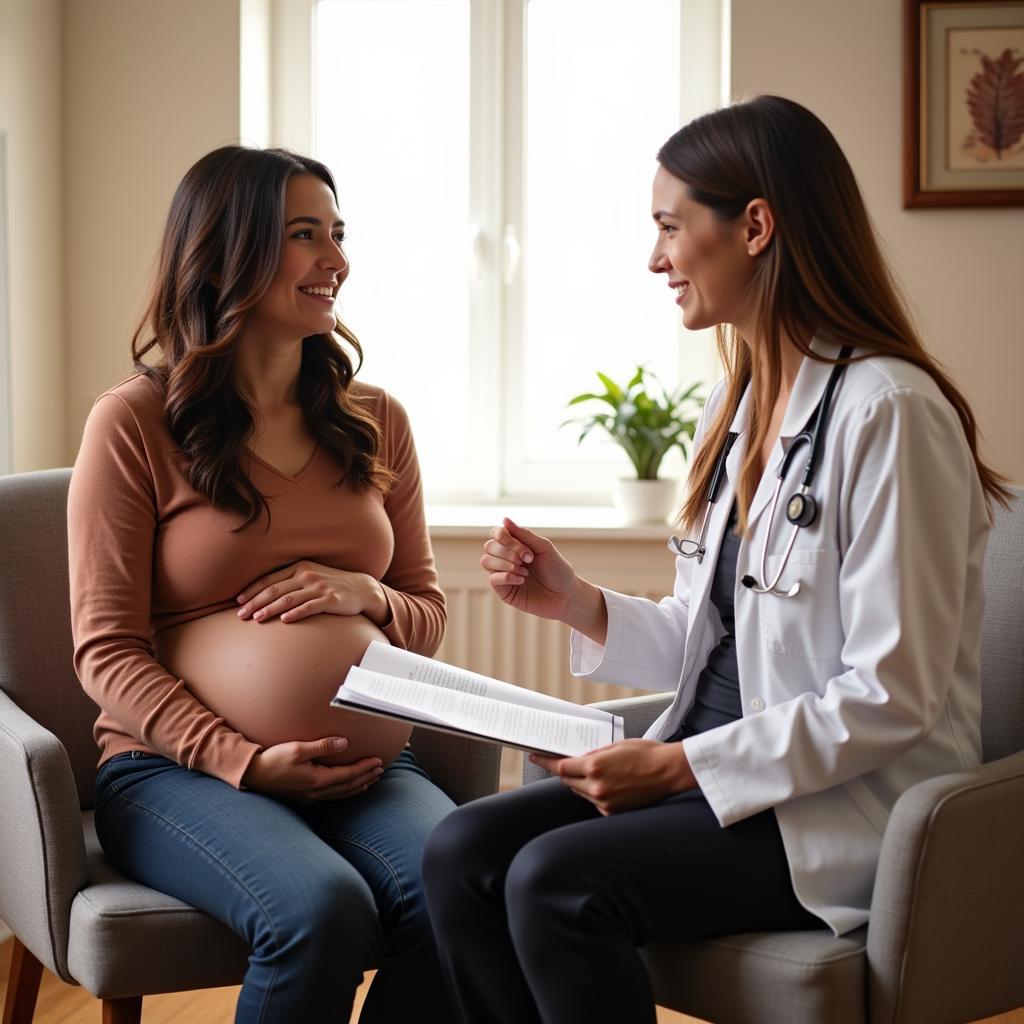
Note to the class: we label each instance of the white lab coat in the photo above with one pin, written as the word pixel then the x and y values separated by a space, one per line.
pixel 865 682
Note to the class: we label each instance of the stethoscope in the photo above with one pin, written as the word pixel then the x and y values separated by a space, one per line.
pixel 801 509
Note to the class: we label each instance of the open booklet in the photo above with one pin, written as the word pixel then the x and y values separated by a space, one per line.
pixel 398 684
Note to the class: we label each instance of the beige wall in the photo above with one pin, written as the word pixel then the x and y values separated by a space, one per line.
pixel 30 115
pixel 963 269
pixel 149 86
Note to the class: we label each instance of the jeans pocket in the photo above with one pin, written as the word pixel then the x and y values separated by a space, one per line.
pixel 115 773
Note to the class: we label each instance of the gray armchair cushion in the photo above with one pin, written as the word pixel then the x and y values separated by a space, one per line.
pixel 768 977
pixel 172 945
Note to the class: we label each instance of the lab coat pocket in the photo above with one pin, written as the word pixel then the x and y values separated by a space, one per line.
pixel 806 625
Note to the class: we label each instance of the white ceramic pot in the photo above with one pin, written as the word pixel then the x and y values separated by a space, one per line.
pixel 646 501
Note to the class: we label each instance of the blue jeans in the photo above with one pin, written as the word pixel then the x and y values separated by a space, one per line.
pixel 320 893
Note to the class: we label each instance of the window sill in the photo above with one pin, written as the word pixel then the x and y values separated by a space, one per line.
pixel 554 521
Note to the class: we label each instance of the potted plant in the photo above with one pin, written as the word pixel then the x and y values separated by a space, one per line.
pixel 647 422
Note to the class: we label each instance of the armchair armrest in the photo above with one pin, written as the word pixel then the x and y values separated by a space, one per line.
pixel 41 845
pixel 465 769
pixel 638 712
pixel 947 915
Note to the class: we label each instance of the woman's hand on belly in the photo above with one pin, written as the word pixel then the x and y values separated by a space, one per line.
pixel 309 588
pixel 289 770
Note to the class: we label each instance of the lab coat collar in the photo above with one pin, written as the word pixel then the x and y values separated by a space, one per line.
pixel 808 388
pixel 742 416
pixel 807 391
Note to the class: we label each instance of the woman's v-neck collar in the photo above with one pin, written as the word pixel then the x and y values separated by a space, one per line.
pixel 290 478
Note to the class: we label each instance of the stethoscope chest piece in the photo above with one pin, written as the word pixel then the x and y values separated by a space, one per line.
pixel 801 509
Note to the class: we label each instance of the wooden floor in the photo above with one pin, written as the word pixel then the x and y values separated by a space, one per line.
pixel 68 1004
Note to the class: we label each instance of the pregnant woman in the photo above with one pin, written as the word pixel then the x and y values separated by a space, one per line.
pixel 244 519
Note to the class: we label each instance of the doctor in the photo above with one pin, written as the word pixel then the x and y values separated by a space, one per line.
pixel 821 637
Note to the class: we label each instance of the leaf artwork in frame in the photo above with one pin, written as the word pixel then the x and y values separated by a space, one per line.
pixel 986 99
pixel 995 99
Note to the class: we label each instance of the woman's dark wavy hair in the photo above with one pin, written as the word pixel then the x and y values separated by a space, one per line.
pixel 822 275
pixel 226 225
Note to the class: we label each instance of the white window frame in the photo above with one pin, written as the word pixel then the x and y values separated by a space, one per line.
pixel 499 469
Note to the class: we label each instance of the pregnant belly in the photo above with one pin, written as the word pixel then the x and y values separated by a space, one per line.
pixel 273 681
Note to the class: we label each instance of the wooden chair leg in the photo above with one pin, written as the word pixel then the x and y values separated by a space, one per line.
pixel 122 1011
pixel 22 986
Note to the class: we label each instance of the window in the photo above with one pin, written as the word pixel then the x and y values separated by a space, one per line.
pixel 494 161
pixel 392 122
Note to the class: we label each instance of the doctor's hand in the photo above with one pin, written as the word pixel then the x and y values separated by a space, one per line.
pixel 527 572
pixel 309 588
pixel 624 775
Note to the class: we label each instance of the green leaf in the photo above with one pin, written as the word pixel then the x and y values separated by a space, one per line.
pixel 613 389
pixel 586 397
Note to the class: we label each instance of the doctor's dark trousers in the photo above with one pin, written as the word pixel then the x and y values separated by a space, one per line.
pixel 539 903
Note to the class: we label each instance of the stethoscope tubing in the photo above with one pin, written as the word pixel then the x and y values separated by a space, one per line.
pixel 748 581
pixel 697 549
pixel 813 435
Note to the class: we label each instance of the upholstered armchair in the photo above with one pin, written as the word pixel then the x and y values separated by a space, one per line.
pixel 69 909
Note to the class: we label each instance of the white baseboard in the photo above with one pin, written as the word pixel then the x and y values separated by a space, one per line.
pixel 5 933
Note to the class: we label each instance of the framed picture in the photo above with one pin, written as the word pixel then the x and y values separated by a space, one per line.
pixel 963 103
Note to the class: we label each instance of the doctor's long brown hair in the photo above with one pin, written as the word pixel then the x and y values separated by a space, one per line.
pixel 821 275
pixel 221 249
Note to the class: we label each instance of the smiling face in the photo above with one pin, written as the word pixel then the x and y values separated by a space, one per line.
pixel 300 299
pixel 709 262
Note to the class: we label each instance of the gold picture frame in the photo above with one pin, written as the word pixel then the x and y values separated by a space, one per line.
pixel 963 103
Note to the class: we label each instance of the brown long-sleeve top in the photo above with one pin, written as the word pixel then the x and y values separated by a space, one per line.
pixel 148 552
